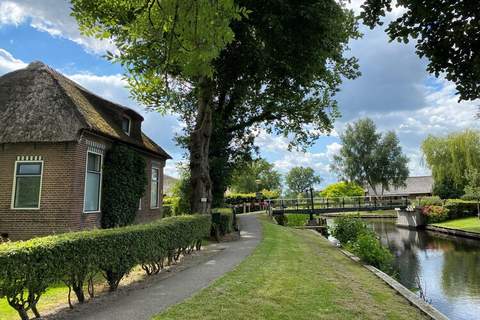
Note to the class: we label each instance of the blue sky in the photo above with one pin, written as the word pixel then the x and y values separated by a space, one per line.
pixel 394 89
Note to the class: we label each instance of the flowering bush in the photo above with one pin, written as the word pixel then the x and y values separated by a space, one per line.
pixel 435 214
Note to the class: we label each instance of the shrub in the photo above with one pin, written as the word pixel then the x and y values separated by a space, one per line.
pixel 369 249
pixel 435 214
pixel 461 208
pixel 222 221
pixel 124 183
pixel 30 267
pixel 281 219
pixel 167 211
pixel 342 189
pixel 347 229
pixel 428 201
pixel 297 220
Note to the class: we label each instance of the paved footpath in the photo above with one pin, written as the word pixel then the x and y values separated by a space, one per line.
pixel 144 303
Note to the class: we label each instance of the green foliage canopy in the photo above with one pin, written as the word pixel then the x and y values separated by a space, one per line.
pixel 255 175
pixel 451 158
pixel 124 183
pixel 342 189
pixel 446 33
pixel 160 41
pixel 300 179
pixel 368 157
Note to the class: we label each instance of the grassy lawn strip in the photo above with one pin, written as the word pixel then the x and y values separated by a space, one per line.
pixel 368 213
pixel 294 274
pixel 471 224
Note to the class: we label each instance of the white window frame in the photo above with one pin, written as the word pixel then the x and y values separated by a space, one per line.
pixel 14 186
pixel 154 167
pixel 129 124
pixel 85 183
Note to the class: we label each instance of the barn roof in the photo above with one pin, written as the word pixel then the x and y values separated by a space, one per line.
pixel 413 186
pixel 38 104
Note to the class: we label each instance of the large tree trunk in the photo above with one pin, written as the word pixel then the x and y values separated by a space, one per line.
pixel 201 185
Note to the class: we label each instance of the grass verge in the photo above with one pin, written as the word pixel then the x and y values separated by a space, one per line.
pixel 294 274
pixel 471 224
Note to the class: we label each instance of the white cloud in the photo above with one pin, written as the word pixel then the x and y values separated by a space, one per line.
pixel 9 63
pixel 53 17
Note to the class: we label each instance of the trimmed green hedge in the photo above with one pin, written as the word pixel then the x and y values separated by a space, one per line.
pixel 222 221
pixel 458 208
pixel 28 268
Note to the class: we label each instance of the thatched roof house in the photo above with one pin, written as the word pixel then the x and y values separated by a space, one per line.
pixel 53 128
pixel 414 187
pixel 41 105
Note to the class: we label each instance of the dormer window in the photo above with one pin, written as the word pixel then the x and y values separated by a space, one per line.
pixel 126 122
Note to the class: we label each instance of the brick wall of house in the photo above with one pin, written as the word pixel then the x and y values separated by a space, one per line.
pixel 58 194
pixel 63 183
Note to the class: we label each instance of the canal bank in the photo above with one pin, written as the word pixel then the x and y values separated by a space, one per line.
pixel 444 267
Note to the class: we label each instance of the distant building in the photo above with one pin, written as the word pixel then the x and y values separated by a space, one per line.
pixel 414 187
pixel 168 184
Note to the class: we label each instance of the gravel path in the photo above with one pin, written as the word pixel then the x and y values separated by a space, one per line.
pixel 143 303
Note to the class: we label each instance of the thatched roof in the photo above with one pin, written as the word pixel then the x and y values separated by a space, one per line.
pixel 38 104
pixel 413 186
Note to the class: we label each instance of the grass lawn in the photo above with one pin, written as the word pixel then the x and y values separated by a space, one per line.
pixel 471 224
pixel 295 274
pixel 366 213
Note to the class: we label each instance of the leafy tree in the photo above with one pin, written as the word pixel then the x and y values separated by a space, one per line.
pixel 181 192
pixel 368 157
pixel 167 48
pixel 246 176
pixel 300 179
pixel 472 189
pixel 342 189
pixel 124 183
pixel 280 73
pixel 446 33
pixel 451 158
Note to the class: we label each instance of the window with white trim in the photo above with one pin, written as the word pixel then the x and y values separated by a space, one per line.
pixel 27 185
pixel 126 123
pixel 154 201
pixel 93 182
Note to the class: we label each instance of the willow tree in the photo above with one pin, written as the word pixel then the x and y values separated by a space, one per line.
pixel 451 158
pixel 167 48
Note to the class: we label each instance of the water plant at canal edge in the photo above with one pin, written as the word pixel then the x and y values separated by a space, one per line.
pixel 356 237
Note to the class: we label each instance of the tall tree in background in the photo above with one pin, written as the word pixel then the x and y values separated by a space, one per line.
pixel 447 34
pixel 280 74
pixel 451 158
pixel 167 48
pixel 370 158
pixel 300 179
pixel 255 175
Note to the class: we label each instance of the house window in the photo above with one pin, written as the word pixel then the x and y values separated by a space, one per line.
pixel 27 185
pixel 126 125
pixel 93 182
pixel 154 188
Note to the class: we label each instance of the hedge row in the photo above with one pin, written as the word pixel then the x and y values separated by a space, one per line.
pixel 223 221
pixel 458 208
pixel 28 268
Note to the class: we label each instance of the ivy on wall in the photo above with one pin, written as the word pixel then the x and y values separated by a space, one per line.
pixel 124 183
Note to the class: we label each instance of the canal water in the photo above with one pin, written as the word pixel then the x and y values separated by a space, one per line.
pixel 447 268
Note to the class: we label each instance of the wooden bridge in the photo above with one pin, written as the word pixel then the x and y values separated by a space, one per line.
pixel 341 204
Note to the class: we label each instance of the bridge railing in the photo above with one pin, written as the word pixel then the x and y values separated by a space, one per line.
pixel 339 202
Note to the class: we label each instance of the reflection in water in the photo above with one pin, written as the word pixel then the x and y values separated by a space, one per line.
pixel 449 267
